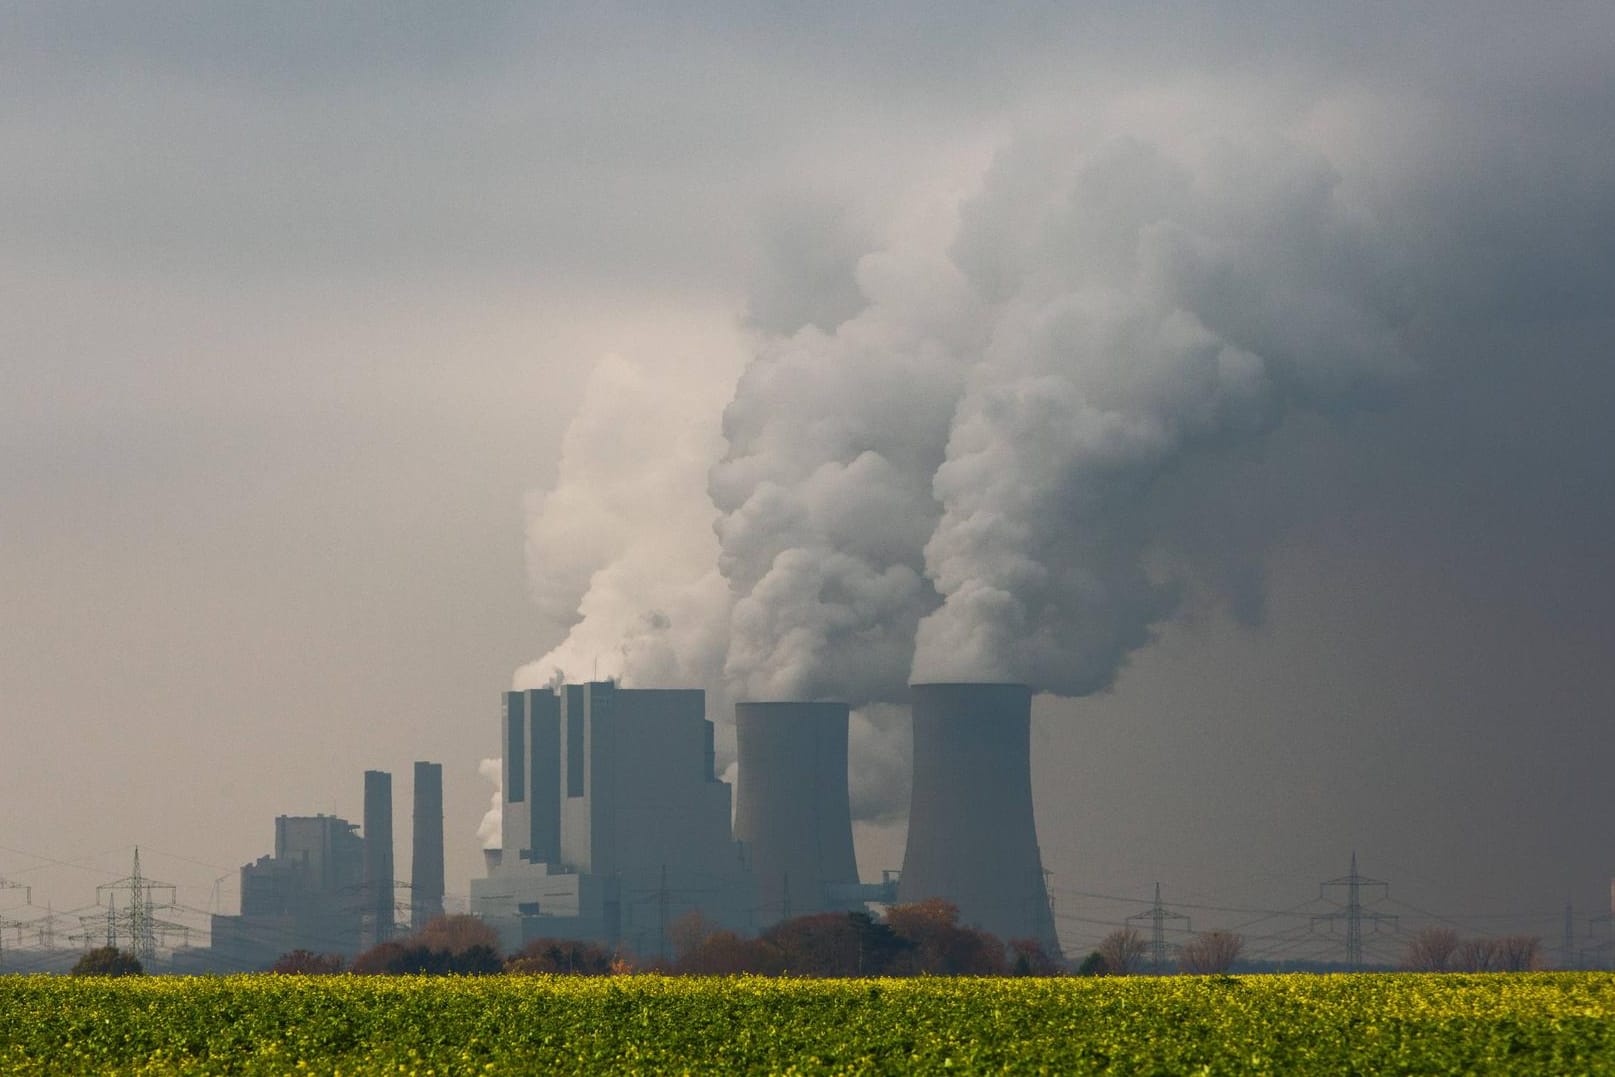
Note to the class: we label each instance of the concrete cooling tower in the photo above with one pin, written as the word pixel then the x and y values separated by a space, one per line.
pixel 971 836
pixel 791 805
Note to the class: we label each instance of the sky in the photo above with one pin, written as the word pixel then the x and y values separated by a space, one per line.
pixel 358 361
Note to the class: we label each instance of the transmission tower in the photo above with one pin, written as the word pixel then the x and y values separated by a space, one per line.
pixel 138 921
pixel 1352 912
pixel 1157 916
pixel 5 922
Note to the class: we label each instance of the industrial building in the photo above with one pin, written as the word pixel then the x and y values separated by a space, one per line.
pixel 614 820
pixel 792 809
pixel 972 838
pixel 305 896
pixel 330 889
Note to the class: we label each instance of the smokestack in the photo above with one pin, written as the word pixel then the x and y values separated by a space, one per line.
pixel 791 804
pixel 378 853
pixel 971 836
pixel 426 860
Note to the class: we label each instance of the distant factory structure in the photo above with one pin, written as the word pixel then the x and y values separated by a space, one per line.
pixel 614 820
pixel 615 824
pixel 328 887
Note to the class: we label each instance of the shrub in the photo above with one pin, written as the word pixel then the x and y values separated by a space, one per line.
pixel 108 961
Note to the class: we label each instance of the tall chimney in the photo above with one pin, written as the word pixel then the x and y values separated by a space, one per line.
pixel 791 804
pixel 378 853
pixel 972 839
pixel 426 860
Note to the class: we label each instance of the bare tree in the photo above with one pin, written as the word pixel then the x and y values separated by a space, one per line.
pixel 1211 951
pixel 1519 953
pixel 1477 955
pixel 1123 952
pixel 1431 950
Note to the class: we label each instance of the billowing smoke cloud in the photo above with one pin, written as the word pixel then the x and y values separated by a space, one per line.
pixel 620 552
pixel 966 465
pixel 825 490
pixel 491 832
pixel 1145 309
pixel 964 480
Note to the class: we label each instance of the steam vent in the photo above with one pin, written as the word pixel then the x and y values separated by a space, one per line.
pixel 971 836
pixel 791 805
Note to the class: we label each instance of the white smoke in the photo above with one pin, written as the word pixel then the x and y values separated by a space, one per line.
pixel 620 552
pixel 825 490
pixel 490 832
pixel 963 479
pixel 1145 309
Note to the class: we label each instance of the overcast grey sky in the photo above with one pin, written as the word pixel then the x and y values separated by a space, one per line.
pixel 300 301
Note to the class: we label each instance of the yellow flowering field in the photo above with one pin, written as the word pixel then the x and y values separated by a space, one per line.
pixel 1548 1023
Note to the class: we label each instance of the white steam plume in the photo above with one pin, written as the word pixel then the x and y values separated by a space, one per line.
pixel 620 551
pixel 825 491
pixel 1145 309
pixel 491 830
pixel 961 480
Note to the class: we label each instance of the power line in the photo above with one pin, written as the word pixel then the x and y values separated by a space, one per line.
pixel 1352 913
pixel 1157 916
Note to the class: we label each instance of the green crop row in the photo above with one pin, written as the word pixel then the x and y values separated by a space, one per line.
pixel 1550 1023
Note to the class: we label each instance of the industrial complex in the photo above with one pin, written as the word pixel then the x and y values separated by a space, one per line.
pixel 616 823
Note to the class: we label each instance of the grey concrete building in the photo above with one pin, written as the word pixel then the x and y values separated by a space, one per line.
pixel 792 811
pixel 972 838
pixel 308 895
pixel 615 823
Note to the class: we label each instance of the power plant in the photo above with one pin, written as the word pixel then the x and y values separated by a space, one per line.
pixel 614 820
pixel 792 811
pixel 971 834
pixel 615 824
pixel 328 887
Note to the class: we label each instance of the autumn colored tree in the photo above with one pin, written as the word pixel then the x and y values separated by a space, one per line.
pixel 455 934
pixel 1028 958
pixel 723 953
pixel 938 946
pixel 458 945
pixel 822 944
pixel 307 963
pixel 562 956
pixel 688 933
pixel 1211 952
pixel 1123 951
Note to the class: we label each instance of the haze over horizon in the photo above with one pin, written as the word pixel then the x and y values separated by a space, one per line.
pixel 356 358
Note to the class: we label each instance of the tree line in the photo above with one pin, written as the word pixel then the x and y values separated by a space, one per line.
pixel 919 939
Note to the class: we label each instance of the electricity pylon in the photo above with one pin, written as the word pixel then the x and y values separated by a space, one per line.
pixel 1157 915
pixel 1352 912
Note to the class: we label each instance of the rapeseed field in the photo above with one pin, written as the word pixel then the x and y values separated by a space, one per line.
pixel 1547 1023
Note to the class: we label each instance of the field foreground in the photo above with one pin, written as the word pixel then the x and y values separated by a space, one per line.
pixel 1550 1023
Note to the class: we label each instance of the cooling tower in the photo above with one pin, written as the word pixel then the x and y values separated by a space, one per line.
pixel 971 836
pixel 378 853
pixel 426 861
pixel 791 806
